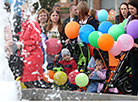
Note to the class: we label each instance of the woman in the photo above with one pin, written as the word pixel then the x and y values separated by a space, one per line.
pixel 123 13
pixel 54 26
pixel 84 17
pixel 43 19
pixel 31 52
pixel 133 56
pixel 55 30
pixel 92 13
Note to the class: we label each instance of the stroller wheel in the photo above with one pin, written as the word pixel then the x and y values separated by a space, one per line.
pixel 127 86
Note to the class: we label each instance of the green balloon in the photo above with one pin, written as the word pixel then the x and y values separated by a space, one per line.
pixel 116 30
pixel 81 80
pixel 123 23
pixel 57 69
pixel 93 38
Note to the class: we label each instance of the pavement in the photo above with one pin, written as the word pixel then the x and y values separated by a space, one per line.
pixel 37 94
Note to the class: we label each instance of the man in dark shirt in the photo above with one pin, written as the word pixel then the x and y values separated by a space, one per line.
pixel 73 13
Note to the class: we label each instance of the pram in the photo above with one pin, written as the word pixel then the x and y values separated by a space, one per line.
pixel 118 76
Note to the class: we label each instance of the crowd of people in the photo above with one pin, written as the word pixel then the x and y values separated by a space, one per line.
pixel 74 54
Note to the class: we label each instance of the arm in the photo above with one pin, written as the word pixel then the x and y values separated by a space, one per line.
pixel 101 75
pixel 31 37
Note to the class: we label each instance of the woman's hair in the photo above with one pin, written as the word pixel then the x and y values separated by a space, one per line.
pixel 92 13
pixel 43 11
pixel 134 3
pixel 83 9
pixel 121 18
pixel 49 26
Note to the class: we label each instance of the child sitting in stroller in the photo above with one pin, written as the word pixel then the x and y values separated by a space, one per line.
pixel 97 77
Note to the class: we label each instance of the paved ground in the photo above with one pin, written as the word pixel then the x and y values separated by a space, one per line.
pixel 58 95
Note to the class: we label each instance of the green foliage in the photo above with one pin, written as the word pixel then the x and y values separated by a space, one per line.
pixel 64 10
pixel 47 4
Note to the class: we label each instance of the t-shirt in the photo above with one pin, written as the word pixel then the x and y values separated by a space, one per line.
pixel 53 33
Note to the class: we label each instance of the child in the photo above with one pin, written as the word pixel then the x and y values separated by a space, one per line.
pixel 69 65
pixel 67 62
pixel 97 76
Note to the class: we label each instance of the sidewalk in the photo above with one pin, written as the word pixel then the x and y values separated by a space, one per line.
pixel 60 95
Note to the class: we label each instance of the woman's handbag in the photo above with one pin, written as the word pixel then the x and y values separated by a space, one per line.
pixel 16 64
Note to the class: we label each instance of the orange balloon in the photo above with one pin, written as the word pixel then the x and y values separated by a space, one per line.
pixel 48 74
pixel 72 30
pixel 105 42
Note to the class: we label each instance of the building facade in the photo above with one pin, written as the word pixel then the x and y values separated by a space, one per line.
pixel 96 4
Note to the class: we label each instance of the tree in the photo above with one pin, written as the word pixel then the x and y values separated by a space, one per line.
pixel 47 4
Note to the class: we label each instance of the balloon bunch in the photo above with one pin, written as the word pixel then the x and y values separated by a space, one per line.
pixel 109 37
pixel 60 78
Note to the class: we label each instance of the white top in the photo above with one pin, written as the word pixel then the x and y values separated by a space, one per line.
pixel 53 33
pixel 81 22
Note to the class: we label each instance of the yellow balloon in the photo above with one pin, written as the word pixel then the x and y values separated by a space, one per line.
pixel 60 78
pixel 21 83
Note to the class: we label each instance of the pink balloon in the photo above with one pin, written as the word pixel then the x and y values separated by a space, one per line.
pixel 115 50
pixel 54 46
pixel 125 42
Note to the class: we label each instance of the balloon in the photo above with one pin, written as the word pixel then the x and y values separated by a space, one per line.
pixel 72 76
pixel 54 46
pixel 10 2
pixel 111 14
pixel 132 29
pixel 56 69
pixel 72 30
pixel 105 42
pixel 102 15
pixel 116 31
pixel 85 31
pixel 104 26
pixel 125 42
pixel 91 49
pixel 44 38
pixel 21 83
pixel 47 75
pixel 115 50
pixel 81 80
pixel 93 38
pixel 60 78
pixel 123 23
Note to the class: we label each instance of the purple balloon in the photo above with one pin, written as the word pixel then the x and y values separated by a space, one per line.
pixel 132 29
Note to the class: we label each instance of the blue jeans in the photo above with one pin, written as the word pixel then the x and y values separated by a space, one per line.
pixel 92 87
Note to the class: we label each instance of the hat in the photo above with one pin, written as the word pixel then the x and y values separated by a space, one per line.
pixel 134 3
pixel 64 52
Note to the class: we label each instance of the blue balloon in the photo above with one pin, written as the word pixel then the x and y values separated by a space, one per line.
pixel 10 2
pixel 85 31
pixel 102 15
pixel 44 36
pixel 104 26
pixel 17 6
